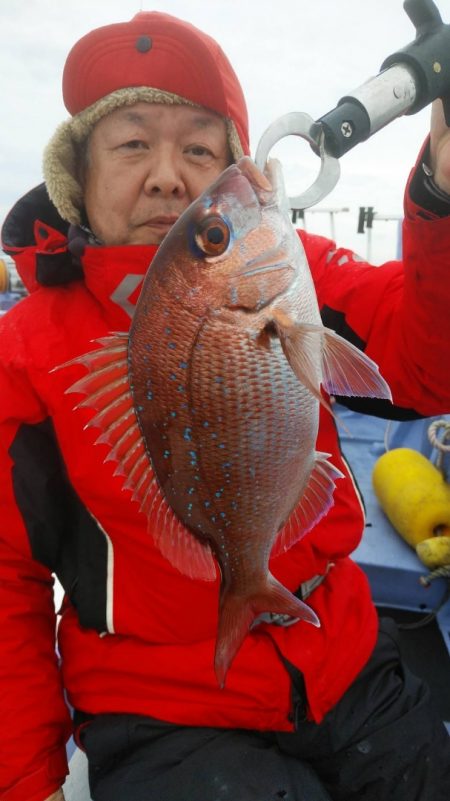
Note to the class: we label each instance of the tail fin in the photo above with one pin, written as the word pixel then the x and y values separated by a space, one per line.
pixel 237 613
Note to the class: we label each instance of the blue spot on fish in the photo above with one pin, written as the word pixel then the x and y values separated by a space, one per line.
pixel 187 434
pixel 167 330
pixel 191 490
pixel 173 377
pixel 172 345
pixel 149 395
pixel 173 414
pixel 207 504
pixel 166 454
pixel 219 379
pixel 183 365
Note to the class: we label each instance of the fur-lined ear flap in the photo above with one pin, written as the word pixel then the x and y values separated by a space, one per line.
pixel 61 162
pixel 60 172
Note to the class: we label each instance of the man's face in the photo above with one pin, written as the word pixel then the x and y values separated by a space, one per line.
pixel 145 164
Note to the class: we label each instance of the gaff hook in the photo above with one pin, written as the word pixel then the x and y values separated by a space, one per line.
pixel 297 123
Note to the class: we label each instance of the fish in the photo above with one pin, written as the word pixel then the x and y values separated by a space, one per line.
pixel 210 404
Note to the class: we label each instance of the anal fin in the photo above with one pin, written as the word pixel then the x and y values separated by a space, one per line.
pixel 316 501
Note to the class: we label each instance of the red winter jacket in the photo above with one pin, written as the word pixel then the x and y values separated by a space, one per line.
pixel 135 635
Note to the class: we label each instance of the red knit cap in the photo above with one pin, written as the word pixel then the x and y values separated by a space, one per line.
pixel 159 51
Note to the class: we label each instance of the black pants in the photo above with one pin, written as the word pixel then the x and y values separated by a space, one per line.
pixel 383 741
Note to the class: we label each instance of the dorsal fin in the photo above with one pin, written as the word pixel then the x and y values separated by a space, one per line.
pixel 107 390
pixel 177 544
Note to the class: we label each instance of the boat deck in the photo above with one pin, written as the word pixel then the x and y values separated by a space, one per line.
pixel 391 565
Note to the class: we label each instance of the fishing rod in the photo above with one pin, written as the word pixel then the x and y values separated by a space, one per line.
pixel 408 80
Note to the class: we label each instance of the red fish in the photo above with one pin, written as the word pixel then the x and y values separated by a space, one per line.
pixel 211 403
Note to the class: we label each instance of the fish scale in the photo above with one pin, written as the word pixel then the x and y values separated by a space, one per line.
pixel 252 424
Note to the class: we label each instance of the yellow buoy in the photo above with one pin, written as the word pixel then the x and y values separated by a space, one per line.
pixel 4 276
pixel 413 494
pixel 434 552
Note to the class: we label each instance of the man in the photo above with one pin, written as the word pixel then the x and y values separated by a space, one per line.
pixel 307 713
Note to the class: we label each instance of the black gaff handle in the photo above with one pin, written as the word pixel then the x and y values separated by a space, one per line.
pixel 428 55
pixel 409 80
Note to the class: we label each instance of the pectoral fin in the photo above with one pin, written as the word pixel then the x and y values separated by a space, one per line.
pixel 348 371
pixel 320 357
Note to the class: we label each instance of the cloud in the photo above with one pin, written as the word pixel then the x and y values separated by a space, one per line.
pixel 291 55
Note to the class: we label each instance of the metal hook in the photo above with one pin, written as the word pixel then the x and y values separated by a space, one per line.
pixel 297 123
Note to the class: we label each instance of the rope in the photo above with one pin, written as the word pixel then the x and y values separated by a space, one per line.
pixel 440 572
pixel 439 442
pixel 425 621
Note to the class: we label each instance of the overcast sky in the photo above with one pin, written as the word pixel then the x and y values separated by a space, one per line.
pixel 291 55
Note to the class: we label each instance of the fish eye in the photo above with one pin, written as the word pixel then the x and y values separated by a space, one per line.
pixel 212 236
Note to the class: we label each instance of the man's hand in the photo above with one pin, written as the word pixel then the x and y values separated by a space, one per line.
pixel 440 147
pixel 58 796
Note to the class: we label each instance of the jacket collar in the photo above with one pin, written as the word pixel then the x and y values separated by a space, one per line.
pixel 114 275
pixel 49 252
